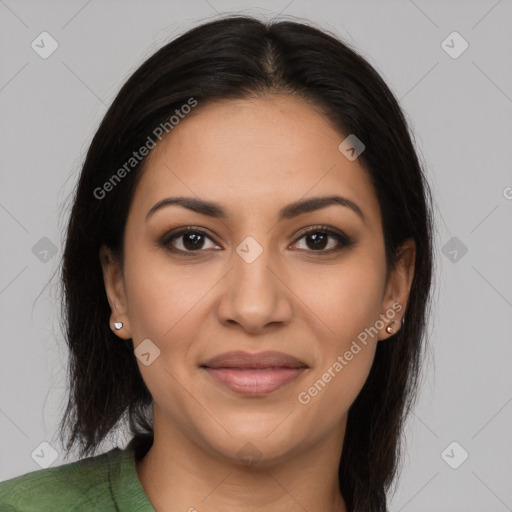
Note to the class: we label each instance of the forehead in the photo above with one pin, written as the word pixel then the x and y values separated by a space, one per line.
pixel 258 153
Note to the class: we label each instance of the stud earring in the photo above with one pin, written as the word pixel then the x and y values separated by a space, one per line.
pixel 118 325
pixel 390 329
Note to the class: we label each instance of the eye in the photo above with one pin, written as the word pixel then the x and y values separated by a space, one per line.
pixel 193 240
pixel 189 240
pixel 316 239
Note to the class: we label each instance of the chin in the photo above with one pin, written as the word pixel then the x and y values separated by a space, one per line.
pixel 261 448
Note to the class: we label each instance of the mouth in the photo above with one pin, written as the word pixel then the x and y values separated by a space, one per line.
pixel 254 374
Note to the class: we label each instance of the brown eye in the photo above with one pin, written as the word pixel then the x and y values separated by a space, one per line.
pixel 317 240
pixel 322 240
pixel 187 241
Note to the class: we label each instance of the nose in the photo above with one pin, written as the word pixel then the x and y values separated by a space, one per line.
pixel 255 296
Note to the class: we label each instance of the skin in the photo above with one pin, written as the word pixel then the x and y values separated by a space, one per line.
pixel 253 157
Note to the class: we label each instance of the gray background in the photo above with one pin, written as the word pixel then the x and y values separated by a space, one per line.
pixel 460 110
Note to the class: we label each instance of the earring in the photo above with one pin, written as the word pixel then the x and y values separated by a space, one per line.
pixel 390 329
pixel 118 325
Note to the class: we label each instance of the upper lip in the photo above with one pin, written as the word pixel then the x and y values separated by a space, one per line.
pixel 266 359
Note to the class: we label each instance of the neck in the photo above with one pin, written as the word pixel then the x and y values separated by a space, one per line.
pixel 179 475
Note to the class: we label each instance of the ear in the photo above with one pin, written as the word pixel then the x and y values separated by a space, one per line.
pixel 114 287
pixel 398 288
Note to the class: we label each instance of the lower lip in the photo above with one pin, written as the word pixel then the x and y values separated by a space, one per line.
pixel 253 382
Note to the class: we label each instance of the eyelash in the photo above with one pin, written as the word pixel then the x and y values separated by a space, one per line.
pixel 343 240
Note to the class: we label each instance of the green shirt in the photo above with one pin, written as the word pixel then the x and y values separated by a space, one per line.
pixel 103 483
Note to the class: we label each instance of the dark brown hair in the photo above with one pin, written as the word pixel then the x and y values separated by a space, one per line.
pixel 234 58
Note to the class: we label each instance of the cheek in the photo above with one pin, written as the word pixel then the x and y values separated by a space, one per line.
pixel 161 297
pixel 349 304
pixel 351 307
pixel 164 303
pixel 344 299
pixel 330 393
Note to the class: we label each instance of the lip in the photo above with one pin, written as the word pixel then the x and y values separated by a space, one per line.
pixel 254 374
pixel 267 359
pixel 254 382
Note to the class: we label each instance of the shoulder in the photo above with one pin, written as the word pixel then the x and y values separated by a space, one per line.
pixel 77 486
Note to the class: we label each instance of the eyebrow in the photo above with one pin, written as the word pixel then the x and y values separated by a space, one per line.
pixel 290 211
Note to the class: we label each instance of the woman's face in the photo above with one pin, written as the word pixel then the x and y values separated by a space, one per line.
pixel 252 280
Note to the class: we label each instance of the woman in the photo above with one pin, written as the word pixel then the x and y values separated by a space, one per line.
pixel 247 276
